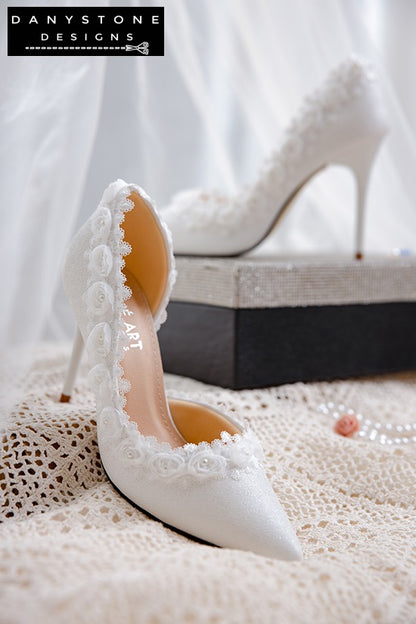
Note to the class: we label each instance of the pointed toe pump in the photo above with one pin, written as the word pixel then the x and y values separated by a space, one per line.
pixel 342 123
pixel 184 463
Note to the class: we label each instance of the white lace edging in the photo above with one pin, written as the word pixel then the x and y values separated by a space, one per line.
pixel 105 298
pixel 226 456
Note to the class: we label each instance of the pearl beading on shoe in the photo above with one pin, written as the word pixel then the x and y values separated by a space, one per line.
pixel 105 298
pixel 382 433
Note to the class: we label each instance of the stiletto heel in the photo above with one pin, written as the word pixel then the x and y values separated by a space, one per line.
pixel 185 463
pixel 77 350
pixel 343 116
pixel 360 157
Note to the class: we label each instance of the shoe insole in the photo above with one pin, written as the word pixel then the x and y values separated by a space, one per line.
pixel 142 366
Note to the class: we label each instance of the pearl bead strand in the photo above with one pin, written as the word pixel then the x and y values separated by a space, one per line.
pixel 382 433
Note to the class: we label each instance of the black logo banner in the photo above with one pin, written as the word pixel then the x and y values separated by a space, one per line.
pixel 85 31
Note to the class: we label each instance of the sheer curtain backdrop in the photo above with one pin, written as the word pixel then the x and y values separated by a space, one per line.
pixel 205 114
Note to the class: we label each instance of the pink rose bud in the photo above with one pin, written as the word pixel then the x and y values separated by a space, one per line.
pixel 347 425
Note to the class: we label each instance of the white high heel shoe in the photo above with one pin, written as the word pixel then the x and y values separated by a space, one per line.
pixel 184 463
pixel 344 123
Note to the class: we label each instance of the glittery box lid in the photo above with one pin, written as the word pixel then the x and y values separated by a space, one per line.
pixel 255 282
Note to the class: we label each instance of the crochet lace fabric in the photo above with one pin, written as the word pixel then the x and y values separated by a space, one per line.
pixel 73 551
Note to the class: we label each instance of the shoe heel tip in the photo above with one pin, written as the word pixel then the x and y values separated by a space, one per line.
pixel 65 398
pixel 358 255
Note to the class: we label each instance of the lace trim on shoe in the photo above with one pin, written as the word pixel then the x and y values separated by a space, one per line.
pixel 105 298
pixel 226 456
pixel 343 84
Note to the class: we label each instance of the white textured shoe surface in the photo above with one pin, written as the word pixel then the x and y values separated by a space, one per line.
pixel 344 111
pixel 230 507
pixel 215 491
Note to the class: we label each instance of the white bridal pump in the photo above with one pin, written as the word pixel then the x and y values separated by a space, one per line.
pixel 184 463
pixel 342 123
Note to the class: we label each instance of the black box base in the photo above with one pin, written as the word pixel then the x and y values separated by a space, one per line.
pixel 254 348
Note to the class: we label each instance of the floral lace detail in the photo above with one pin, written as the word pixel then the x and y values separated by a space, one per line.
pixel 101 261
pixel 198 209
pixel 226 456
pixel 105 298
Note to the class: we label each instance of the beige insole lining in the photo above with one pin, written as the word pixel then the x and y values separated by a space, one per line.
pixel 146 271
